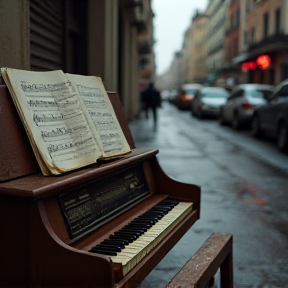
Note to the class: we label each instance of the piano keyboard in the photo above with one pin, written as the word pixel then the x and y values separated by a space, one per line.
pixel 132 242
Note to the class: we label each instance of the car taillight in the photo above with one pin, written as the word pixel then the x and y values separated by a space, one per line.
pixel 247 105
pixel 187 97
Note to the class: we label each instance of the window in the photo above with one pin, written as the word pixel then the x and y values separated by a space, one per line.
pixel 259 93
pixel 265 25
pixel 238 17
pixel 245 37
pixel 235 44
pixel 252 35
pixel 282 92
pixel 277 21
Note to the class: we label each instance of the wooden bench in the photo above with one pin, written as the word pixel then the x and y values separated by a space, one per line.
pixel 215 253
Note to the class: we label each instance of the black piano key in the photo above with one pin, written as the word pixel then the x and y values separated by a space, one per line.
pixel 154 212
pixel 147 224
pixel 108 247
pixel 126 234
pixel 122 237
pixel 129 232
pixel 163 209
pixel 117 241
pixel 154 215
pixel 134 229
pixel 169 202
pixel 150 219
pixel 136 226
pixel 112 244
pixel 166 203
pixel 103 251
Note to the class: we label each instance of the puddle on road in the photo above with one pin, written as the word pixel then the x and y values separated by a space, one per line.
pixel 249 194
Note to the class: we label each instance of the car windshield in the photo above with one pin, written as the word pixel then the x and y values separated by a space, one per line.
pixel 259 93
pixel 215 94
pixel 191 91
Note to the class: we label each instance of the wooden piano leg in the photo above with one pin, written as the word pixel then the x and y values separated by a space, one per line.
pixel 198 271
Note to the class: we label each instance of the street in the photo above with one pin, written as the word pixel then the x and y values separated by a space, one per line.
pixel 244 188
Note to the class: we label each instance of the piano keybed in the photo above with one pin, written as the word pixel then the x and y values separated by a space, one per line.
pixel 129 245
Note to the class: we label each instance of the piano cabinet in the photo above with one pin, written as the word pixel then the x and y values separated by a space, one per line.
pixel 46 231
pixel 36 249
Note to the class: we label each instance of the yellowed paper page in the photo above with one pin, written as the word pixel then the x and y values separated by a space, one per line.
pixel 52 115
pixel 108 131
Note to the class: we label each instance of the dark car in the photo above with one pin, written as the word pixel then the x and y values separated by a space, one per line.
pixel 186 95
pixel 207 101
pixel 272 117
pixel 241 103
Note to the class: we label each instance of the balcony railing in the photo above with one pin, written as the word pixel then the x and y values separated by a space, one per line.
pixel 276 39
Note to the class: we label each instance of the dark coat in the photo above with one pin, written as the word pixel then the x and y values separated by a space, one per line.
pixel 151 97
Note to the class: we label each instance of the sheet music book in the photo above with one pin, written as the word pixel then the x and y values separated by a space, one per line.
pixel 68 118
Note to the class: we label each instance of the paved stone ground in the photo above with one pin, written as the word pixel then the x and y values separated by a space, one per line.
pixel 236 197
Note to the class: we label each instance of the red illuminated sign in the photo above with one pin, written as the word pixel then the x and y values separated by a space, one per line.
pixel 248 65
pixel 263 61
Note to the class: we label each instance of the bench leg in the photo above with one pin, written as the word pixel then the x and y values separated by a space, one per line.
pixel 215 253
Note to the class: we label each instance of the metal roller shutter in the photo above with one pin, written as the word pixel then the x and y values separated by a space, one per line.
pixel 46 35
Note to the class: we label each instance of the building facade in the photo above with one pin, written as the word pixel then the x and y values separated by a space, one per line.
pixel 83 37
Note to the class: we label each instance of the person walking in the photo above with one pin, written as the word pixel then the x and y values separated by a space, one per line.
pixel 152 101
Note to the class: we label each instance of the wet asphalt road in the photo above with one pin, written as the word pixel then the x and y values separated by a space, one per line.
pixel 244 191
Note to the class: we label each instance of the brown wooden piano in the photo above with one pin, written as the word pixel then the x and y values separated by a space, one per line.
pixel 106 225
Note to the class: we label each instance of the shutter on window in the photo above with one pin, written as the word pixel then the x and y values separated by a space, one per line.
pixel 46 34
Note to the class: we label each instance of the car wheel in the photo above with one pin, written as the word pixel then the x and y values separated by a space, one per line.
pixel 199 113
pixel 236 122
pixel 192 111
pixel 221 119
pixel 282 137
pixel 255 127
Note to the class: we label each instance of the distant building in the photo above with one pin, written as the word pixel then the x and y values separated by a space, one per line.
pixel 197 71
pixel 215 61
pixel 264 58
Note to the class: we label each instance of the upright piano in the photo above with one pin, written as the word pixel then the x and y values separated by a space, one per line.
pixel 106 225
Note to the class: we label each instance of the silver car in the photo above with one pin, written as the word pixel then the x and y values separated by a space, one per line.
pixel 241 103
pixel 207 101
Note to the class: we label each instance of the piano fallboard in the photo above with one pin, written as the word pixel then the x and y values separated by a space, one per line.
pixel 90 206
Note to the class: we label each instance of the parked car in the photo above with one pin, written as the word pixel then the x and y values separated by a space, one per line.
pixel 272 117
pixel 172 96
pixel 240 105
pixel 186 95
pixel 165 94
pixel 207 101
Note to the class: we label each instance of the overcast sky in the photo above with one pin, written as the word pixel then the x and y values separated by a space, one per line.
pixel 172 18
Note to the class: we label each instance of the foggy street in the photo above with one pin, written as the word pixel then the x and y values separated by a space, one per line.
pixel 243 192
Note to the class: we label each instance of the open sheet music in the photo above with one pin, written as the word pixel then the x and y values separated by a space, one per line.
pixel 68 118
